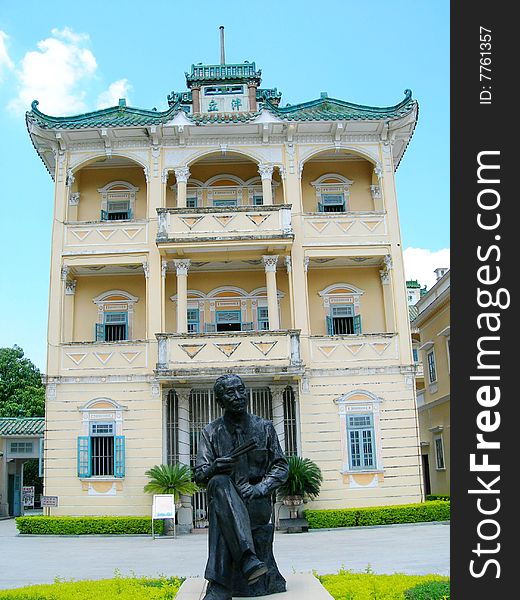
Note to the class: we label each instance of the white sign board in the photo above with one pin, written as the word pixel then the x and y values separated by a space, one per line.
pixel 50 501
pixel 163 506
pixel 28 496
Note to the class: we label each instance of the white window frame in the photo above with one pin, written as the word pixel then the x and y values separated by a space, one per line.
pixel 438 442
pixel 126 305
pixel 357 403
pixel 339 185
pixel 127 192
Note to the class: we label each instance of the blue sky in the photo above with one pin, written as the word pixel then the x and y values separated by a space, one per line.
pixel 75 57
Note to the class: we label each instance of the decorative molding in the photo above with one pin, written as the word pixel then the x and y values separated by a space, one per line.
pixel 378 170
pixel 74 198
pixel 182 174
pixel 288 264
pixel 70 178
pixel 270 262
pixel 266 171
pixel 375 190
pixel 146 269
pixel 306 263
pixel 65 270
pixel 182 266
pixel 70 287
pixel 164 267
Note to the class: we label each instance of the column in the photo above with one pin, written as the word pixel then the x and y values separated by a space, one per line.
pixel 251 91
pixel 195 96
pixel 182 175
pixel 272 295
pixel 164 270
pixel 278 413
pixel 388 297
pixel 68 310
pixel 185 512
pixel 182 266
pixel 266 173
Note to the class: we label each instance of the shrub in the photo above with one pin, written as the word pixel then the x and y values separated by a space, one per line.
pixel 39 525
pixel 379 515
pixel 122 588
pixel 347 585
pixel 429 590
pixel 438 497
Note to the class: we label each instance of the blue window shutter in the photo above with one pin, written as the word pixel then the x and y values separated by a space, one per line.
pixel 330 325
pixel 104 215
pixel 84 462
pixel 119 456
pixel 357 324
pixel 130 216
pixel 100 332
pixel 320 207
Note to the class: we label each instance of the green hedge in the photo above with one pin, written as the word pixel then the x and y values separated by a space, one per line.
pixel 39 525
pixel 366 586
pixel 429 590
pixel 438 497
pixel 379 515
pixel 122 588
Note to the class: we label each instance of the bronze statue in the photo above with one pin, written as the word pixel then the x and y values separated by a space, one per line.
pixel 241 462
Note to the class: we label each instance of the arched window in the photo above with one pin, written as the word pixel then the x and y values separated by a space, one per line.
pixel 360 431
pixel 115 316
pixel 341 302
pixel 118 201
pixel 332 192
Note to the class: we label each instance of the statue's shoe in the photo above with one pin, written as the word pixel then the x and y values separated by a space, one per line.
pixel 215 591
pixel 253 569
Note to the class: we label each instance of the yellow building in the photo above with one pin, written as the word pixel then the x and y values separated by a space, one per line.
pixel 227 234
pixel 433 387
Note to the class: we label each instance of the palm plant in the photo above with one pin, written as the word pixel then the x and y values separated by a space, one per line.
pixel 171 479
pixel 304 480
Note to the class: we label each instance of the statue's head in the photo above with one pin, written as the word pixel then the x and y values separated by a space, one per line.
pixel 230 393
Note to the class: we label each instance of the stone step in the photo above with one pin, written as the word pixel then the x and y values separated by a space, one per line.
pixel 300 586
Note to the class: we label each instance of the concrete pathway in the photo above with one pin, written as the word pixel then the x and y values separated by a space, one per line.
pixel 413 549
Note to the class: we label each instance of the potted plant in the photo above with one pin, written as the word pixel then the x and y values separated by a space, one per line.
pixel 304 482
pixel 171 479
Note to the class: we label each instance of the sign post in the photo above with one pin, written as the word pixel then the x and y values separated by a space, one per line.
pixel 49 502
pixel 163 507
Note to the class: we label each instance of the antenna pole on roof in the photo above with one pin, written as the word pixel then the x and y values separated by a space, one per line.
pixel 222 54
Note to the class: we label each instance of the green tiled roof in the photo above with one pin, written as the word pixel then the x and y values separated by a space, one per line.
pixel 322 109
pixel 413 284
pixel 228 72
pixel 22 426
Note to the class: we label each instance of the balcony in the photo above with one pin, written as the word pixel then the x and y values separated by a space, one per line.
pixel 102 236
pixel 351 351
pixel 104 358
pixel 346 227
pixel 210 226
pixel 252 353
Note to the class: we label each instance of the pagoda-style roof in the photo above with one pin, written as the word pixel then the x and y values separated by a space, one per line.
pixel 322 109
pixel 413 284
pixel 230 73
pixel 21 426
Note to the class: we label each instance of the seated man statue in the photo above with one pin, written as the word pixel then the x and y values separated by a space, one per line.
pixel 241 462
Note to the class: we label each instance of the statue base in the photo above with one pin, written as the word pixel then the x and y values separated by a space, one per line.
pixel 301 586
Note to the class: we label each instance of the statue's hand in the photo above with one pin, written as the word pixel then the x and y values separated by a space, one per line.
pixel 223 466
pixel 249 492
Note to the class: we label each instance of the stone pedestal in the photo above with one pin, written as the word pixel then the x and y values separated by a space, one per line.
pixel 299 587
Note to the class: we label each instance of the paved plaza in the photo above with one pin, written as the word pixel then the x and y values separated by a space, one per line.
pixel 413 549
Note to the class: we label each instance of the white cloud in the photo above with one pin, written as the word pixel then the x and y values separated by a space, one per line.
pixel 5 60
pixel 55 74
pixel 420 263
pixel 116 90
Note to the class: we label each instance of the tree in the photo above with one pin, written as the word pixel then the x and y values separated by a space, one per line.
pixel 171 479
pixel 22 393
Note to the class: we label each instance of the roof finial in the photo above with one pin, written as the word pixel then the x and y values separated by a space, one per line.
pixel 222 55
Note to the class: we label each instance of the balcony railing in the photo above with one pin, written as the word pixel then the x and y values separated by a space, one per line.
pixel 93 235
pixel 251 352
pixel 346 227
pixel 352 350
pixel 224 223
pixel 104 357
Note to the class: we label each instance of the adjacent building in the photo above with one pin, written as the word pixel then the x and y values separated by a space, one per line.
pixel 433 389
pixel 227 233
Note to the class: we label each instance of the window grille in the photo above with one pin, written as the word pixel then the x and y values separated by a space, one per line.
pixel 115 326
pixel 289 421
pixel 193 320
pixel 102 454
pixel 432 371
pixel 439 453
pixel 332 203
pixel 117 210
pixel 263 318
